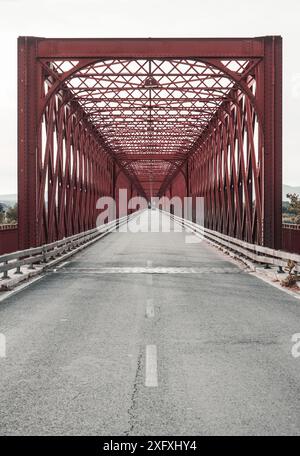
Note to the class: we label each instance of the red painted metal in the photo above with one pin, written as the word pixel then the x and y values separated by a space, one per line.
pixel 291 238
pixel 94 113
pixel 68 48
pixel 8 226
pixel 8 239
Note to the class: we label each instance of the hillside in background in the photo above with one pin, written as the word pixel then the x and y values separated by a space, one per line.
pixel 10 200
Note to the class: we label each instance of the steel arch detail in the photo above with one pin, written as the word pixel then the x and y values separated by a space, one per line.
pixel 149 109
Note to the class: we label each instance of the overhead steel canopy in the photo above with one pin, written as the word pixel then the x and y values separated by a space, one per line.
pixel 93 112
pixel 150 107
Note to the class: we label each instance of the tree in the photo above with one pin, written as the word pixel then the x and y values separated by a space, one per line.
pixel 294 206
pixel 12 214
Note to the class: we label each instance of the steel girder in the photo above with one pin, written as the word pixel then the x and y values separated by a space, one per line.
pixel 90 109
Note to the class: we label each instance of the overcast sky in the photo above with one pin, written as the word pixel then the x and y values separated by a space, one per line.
pixel 147 18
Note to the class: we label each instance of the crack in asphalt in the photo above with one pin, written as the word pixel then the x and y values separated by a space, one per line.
pixel 132 408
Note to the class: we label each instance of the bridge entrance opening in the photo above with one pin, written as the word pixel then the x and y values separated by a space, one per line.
pixel 159 117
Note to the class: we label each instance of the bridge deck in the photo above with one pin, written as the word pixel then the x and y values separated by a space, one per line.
pixel 149 309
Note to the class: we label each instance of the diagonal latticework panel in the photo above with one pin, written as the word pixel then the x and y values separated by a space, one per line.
pixel 227 170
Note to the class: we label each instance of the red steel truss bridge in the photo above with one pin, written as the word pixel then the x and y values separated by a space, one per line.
pixel 174 117
pixel 126 332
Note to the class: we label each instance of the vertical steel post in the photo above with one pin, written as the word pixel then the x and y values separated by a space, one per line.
pixel 28 89
pixel 272 170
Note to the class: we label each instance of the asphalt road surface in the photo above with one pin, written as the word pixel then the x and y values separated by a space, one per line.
pixel 149 334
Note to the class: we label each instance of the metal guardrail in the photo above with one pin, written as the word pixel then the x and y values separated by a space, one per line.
pixel 44 253
pixel 290 226
pixel 8 226
pixel 256 253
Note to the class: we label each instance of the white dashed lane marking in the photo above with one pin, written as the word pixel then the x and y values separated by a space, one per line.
pixel 150 308
pixel 151 379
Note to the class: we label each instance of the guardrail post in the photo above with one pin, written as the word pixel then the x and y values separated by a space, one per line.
pixel 44 251
pixel 18 270
pixel 5 273
pixel 65 248
pixel 58 253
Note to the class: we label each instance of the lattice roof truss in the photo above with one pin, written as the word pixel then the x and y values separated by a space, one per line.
pixel 150 112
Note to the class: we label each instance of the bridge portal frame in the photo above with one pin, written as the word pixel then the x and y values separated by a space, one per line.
pixel 268 104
